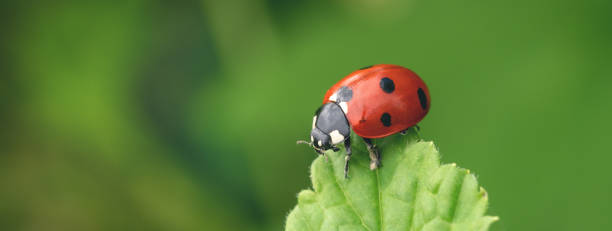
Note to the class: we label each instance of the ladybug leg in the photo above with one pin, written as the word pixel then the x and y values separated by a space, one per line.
pixel 321 153
pixel 404 132
pixel 374 154
pixel 347 146
pixel 318 150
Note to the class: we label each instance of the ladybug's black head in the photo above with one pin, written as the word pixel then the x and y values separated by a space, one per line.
pixel 329 127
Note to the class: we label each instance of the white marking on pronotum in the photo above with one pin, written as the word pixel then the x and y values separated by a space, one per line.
pixel 311 139
pixel 336 137
pixel 314 121
pixel 344 107
pixel 320 143
pixel 333 97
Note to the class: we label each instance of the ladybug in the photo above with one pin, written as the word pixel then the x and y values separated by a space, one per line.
pixel 374 102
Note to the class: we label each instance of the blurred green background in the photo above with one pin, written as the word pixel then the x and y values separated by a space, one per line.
pixel 183 115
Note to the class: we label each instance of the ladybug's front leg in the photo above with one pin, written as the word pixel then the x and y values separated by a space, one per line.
pixel 320 152
pixel 347 146
pixel 374 154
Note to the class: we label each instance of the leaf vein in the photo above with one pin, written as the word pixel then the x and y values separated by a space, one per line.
pixel 323 211
pixel 413 205
pixel 456 202
pixel 348 200
pixel 380 210
pixel 415 192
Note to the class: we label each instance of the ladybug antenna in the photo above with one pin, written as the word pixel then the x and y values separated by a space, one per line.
pixel 309 144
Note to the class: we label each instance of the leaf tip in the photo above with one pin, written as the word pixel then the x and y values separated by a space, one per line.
pixel 483 193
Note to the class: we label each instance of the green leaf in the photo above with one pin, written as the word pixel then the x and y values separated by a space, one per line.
pixel 411 191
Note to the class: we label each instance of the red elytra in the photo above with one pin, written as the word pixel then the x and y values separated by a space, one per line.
pixel 405 104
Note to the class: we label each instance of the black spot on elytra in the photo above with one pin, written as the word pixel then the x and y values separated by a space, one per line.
pixel 363 68
pixel 422 98
pixel 386 119
pixel 344 94
pixel 387 85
